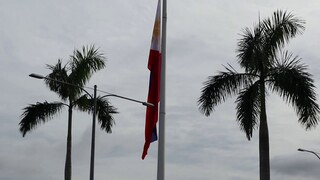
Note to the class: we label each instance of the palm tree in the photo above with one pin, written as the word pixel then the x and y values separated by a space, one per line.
pixel 266 67
pixel 77 72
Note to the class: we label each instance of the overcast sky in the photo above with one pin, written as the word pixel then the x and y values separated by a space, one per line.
pixel 201 37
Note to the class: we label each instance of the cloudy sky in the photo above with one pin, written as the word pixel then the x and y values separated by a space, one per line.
pixel 201 37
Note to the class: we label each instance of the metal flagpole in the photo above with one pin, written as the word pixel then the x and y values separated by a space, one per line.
pixel 162 111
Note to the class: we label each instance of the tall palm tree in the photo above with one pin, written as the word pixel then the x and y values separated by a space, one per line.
pixel 266 67
pixel 77 72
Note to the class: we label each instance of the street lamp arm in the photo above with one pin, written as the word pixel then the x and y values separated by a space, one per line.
pixel 316 155
pixel 129 99
pixel 304 150
pixel 38 76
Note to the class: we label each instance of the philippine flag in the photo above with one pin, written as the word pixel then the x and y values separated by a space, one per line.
pixel 154 65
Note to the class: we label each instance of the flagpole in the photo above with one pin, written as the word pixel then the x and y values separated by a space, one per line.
pixel 162 111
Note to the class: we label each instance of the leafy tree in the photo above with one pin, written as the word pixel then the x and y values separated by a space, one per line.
pixel 266 67
pixel 77 71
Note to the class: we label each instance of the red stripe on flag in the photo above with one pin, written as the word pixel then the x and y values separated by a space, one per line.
pixel 154 65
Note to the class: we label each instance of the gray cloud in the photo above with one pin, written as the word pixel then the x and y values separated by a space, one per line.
pixel 295 167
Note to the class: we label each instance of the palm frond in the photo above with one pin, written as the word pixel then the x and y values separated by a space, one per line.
pixel 104 114
pixel 279 29
pixel 290 79
pixel 250 49
pixel 84 63
pixel 60 73
pixel 257 48
pixel 36 114
pixel 248 108
pixel 84 103
pixel 217 88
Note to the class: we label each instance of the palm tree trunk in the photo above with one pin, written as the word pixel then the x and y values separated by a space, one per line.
pixel 67 169
pixel 264 137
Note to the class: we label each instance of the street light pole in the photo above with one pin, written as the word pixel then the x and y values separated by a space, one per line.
pixel 304 150
pixel 94 98
pixel 93 136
